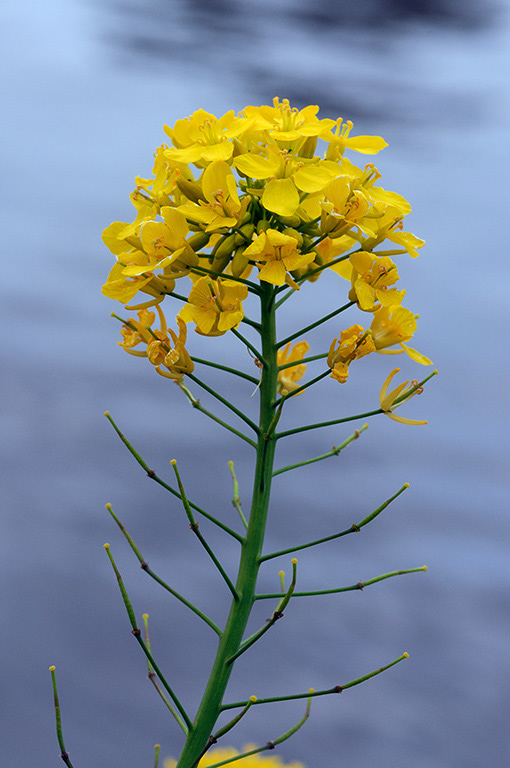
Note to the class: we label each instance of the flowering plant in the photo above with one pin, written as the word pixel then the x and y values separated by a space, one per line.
pixel 241 213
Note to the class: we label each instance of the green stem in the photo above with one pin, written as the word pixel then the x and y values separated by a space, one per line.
pixel 328 423
pixel 304 360
pixel 137 634
pixel 196 404
pixel 145 566
pixel 224 401
pixel 227 369
pixel 326 692
pixel 250 346
pixel 210 706
pixel 334 452
pixel 304 386
pixel 315 325
pixel 63 752
pixel 236 501
pixel 359 585
pixel 355 528
pixel 270 744
pixel 152 677
pixel 153 476
pixel 194 527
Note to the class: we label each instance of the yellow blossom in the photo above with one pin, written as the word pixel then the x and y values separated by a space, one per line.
pixel 164 347
pixel 354 342
pixel 371 280
pixel 278 253
pixel 221 207
pixel 288 378
pixel 395 325
pixel 215 305
pixel 402 393
pixel 203 138
pixel 340 141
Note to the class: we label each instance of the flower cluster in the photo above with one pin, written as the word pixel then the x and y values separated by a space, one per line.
pixel 249 197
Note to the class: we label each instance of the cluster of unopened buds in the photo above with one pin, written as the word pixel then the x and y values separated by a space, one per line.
pixel 246 198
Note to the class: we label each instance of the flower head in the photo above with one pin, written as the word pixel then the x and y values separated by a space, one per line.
pixel 277 254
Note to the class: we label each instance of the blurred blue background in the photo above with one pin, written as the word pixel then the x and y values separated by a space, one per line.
pixel 87 88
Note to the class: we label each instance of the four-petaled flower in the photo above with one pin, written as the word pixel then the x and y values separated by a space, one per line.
pixel 279 254
pixel 214 305
pixel 391 400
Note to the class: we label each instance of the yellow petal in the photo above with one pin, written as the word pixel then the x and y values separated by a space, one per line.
pixel 366 145
pixel 415 355
pixel 281 197
pixel 255 166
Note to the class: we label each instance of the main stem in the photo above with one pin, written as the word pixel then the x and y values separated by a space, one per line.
pixel 210 706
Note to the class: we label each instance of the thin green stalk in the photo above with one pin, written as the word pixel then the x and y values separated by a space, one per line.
pixel 196 404
pixel 236 501
pixel 311 273
pixel 157 747
pixel 253 350
pixel 63 752
pixel 315 324
pixel 210 706
pixel 194 527
pixel 227 369
pixel 224 401
pixel 228 727
pixel 355 528
pixel 145 567
pixel 274 742
pixel 334 452
pixel 321 424
pixel 153 476
pixel 137 634
pixel 304 360
pixel 152 677
pixel 277 614
pixel 326 692
pixel 307 385
pixel 359 585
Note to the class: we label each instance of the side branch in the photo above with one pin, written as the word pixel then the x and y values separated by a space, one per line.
pixel 314 325
pixel 328 423
pixel 196 404
pixel 224 401
pixel 334 452
pixel 278 614
pixel 326 692
pixel 145 566
pixel 63 752
pixel 274 742
pixel 137 634
pixel 359 585
pixel 243 375
pixel 355 528
pixel 194 527
pixel 153 476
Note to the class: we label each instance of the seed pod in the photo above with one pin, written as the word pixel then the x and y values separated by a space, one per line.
pixel 239 262
pixel 223 252
pixel 198 241
pixel 191 190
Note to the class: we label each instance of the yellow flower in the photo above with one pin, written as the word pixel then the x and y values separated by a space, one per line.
pixel 354 342
pixel 222 206
pixel 402 393
pixel 395 325
pixel 286 124
pixel 371 280
pixel 203 138
pixel 288 378
pixel 162 348
pixel 340 141
pixel 214 305
pixel 260 760
pixel 278 253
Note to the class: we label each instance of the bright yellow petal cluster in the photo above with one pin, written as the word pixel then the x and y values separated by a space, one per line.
pixel 270 188
pixel 391 400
